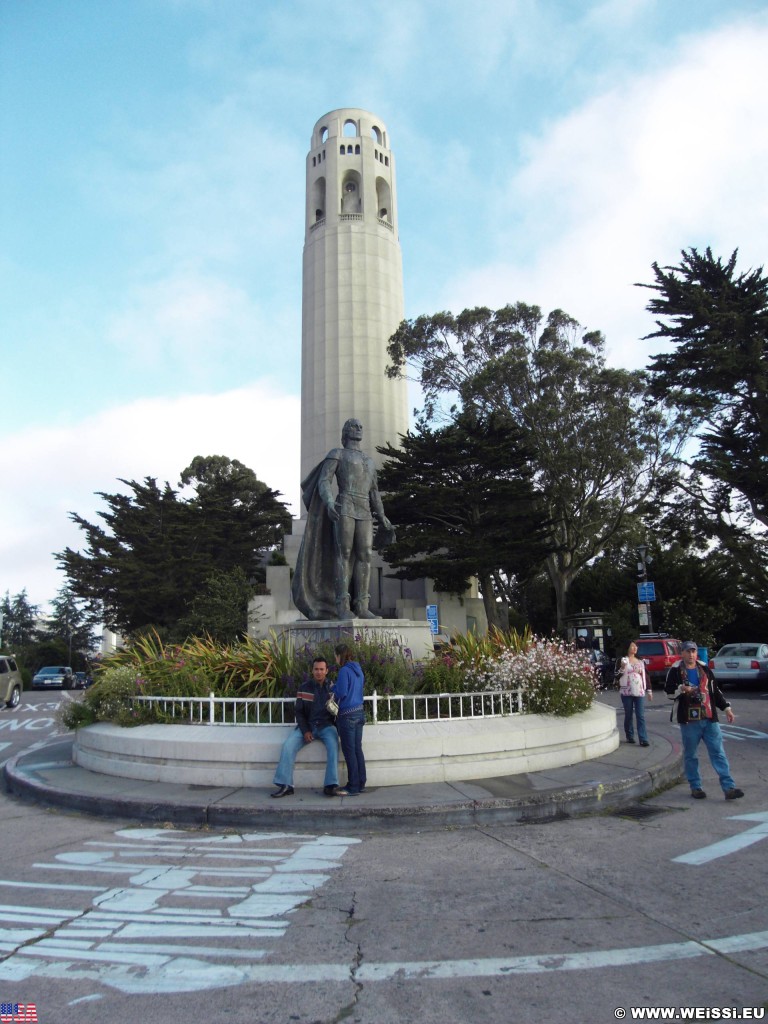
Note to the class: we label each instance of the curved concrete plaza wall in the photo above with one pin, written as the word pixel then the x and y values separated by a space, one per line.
pixel 396 754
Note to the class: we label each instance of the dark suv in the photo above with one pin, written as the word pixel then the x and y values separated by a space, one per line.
pixel 659 651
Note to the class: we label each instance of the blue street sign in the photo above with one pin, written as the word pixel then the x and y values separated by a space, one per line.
pixel 646 592
pixel 432 617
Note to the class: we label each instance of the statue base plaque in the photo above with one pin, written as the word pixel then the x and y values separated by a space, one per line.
pixel 408 634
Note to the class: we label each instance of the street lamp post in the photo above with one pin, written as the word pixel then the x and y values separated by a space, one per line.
pixel 642 566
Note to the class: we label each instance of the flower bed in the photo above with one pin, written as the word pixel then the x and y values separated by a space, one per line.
pixel 552 677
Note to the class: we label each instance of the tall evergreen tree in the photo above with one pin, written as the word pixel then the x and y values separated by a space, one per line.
pixel 72 623
pixel 220 609
pixel 19 622
pixel 599 450
pixel 465 506
pixel 238 516
pixel 717 374
pixel 156 549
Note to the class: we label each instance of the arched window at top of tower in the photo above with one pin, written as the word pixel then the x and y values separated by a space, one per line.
pixel 351 193
pixel 350 129
pixel 384 200
pixel 323 136
pixel 379 136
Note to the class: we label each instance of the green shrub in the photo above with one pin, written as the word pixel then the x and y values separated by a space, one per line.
pixel 247 668
pixel 554 679
pixel 439 675
pixel 387 667
pixel 108 700
pixel 72 714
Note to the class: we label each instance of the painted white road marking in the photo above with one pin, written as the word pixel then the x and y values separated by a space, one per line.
pixel 731 844
pixel 120 939
pixel 136 921
pixel 169 974
pixel 741 732
pixel 28 724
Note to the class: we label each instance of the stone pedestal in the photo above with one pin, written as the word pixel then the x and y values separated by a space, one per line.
pixel 408 634
pixel 396 753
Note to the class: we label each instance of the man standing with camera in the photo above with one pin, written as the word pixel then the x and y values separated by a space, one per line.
pixel 691 683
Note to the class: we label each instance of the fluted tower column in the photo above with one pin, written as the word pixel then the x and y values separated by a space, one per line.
pixel 352 297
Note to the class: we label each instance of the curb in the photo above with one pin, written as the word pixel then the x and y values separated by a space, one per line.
pixel 548 805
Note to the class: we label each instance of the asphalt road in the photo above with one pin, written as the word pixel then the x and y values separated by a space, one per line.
pixel 664 905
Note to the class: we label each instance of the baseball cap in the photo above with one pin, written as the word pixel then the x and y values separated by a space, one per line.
pixel 688 645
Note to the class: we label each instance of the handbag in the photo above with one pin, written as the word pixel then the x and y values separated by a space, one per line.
pixel 331 706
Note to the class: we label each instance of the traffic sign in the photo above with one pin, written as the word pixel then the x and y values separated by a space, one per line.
pixel 646 592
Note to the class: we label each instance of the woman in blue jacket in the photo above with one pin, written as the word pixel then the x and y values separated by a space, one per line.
pixel 348 690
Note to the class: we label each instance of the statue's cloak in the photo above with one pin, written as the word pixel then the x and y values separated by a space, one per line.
pixel 312 587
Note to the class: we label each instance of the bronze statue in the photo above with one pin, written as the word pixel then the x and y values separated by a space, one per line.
pixel 333 571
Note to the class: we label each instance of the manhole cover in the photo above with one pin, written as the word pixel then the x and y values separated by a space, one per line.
pixel 640 812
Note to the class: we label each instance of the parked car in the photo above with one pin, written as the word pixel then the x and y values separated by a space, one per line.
pixel 11 683
pixel 741 663
pixel 659 651
pixel 82 681
pixel 53 675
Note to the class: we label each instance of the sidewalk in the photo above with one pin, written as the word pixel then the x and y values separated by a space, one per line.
pixel 49 777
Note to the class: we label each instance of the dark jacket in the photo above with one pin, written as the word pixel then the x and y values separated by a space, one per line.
pixel 677 677
pixel 311 714
pixel 349 687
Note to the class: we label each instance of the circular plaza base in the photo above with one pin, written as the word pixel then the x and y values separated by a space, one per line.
pixel 397 754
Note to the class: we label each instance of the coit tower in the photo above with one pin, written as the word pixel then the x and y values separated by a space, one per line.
pixel 352 297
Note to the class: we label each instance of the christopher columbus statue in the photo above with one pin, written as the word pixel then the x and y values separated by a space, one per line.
pixel 333 571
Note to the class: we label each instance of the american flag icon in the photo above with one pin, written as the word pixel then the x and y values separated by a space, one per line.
pixel 18 1013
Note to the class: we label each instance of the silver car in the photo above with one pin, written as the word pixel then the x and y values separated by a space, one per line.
pixel 741 663
pixel 53 675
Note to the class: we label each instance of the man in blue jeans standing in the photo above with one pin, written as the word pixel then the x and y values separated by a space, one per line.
pixel 698 697
pixel 313 722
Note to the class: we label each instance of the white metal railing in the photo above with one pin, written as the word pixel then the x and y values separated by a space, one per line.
pixel 395 708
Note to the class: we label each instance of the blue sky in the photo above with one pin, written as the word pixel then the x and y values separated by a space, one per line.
pixel 152 190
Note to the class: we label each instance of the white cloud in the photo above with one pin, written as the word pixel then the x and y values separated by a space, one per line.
pixel 49 473
pixel 187 320
pixel 663 162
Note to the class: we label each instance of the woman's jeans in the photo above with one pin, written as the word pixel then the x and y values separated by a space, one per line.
pixel 708 731
pixel 636 704
pixel 351 735
pixel 294 743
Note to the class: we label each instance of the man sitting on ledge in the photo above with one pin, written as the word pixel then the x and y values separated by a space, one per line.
pixel 313 722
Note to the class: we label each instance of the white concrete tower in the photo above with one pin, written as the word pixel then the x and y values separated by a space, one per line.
pixel 352 297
